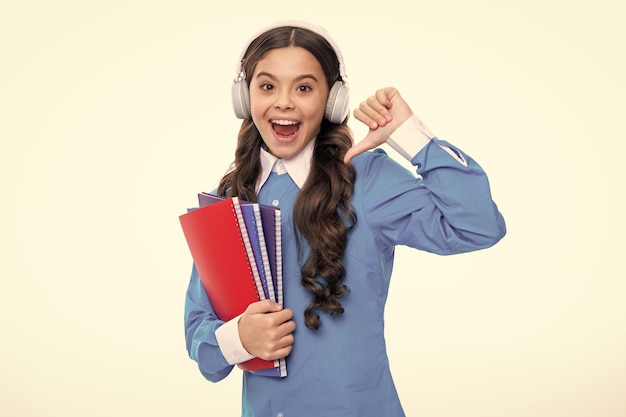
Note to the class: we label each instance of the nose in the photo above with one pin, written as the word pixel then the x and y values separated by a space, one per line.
pixel 284 99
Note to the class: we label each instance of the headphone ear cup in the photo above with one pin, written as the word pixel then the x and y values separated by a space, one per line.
pixel 337 105
pixel 241 99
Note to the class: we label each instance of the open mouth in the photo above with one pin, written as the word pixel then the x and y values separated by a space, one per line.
pixel 285 128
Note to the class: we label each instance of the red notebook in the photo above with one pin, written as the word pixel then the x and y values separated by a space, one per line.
pixel 221 250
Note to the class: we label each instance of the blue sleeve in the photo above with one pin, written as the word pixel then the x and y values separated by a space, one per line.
pixel 446 209
pixel 201 322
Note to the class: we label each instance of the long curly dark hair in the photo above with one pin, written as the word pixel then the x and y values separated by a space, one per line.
pixel 322 214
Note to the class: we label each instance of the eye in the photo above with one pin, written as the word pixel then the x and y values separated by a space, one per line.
pixel 267 87
pixel 304 88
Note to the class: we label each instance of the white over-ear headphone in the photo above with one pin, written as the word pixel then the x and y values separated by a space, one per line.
pixel 337 105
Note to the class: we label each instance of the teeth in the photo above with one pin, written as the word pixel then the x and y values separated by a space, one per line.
pixel 284 122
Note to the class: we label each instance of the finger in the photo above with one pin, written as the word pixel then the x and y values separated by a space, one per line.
pixel 263 306
pixel 357 149
pixel 381 102
pixel 279 317
pixel 277 337
pixel 386 95
pixel 374 110
pixel 287 327
pixel 385 99
pixel 278 344
pixel 283 347
pixel 363 117
pixel 279 354
pixel 286 341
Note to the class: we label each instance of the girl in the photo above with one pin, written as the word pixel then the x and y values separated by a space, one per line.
pixel 344 209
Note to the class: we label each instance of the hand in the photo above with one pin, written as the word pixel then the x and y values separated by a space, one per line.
pixel 266 330
pixel 383 113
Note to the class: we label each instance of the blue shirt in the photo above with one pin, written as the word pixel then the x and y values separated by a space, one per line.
pixel 342 369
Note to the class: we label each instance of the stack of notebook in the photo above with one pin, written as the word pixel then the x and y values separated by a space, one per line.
pixel 236 248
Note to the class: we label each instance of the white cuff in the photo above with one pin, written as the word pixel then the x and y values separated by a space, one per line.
pixel 412 135
pixel 227 336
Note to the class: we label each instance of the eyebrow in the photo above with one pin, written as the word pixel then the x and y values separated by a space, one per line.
pixel 298 78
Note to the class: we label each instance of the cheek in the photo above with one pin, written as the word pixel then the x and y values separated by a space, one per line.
pixel 258 100
pixel 257 111
pixel 321 106
pixel 315 110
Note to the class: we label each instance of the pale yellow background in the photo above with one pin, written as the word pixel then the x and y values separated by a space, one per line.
pixel 114 114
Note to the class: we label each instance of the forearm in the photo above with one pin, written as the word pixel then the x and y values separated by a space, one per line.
pixel 201 324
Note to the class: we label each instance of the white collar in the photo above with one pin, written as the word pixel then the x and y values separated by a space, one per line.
pixel 297 167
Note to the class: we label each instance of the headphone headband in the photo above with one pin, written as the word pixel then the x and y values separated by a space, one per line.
pixel 298 24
